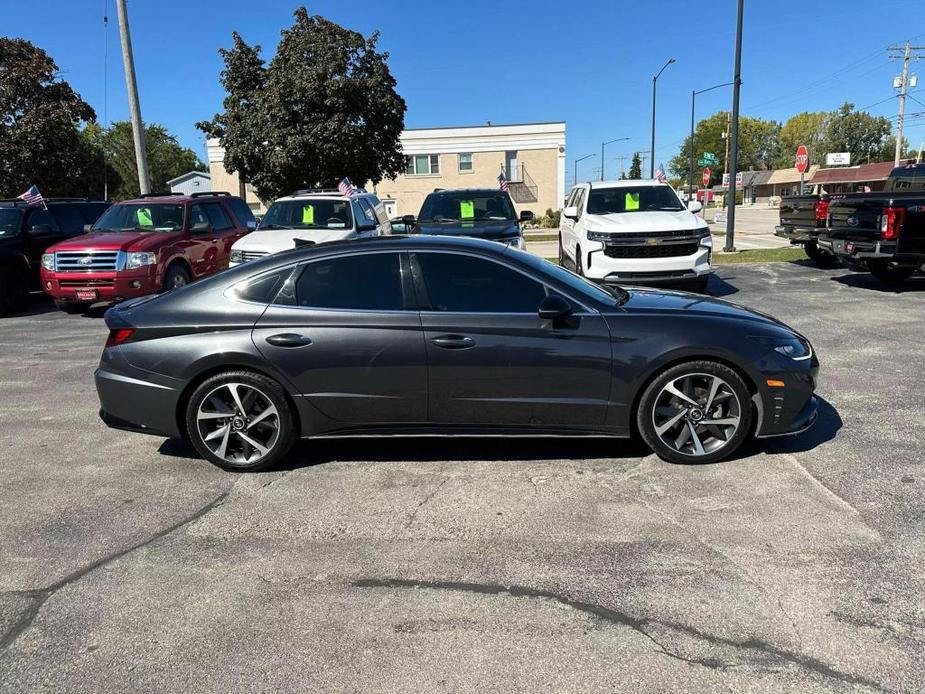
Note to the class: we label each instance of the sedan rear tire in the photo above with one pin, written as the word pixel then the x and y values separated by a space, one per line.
pixel 695 412
pixel 240 421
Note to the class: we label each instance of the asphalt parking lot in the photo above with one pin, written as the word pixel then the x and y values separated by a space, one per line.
pixel 466 565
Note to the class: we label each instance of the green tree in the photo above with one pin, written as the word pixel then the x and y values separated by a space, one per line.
pixel 807 128
pixel 758 145
pixel 40 137
pixel 861 134
pixel 324 108
pixel 636 166
pixel 167 158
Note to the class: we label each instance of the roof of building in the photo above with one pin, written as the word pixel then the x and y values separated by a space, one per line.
pixel 187 176
pixel 755 178
pixel 877 171
pixel 790 175
pixel 489 124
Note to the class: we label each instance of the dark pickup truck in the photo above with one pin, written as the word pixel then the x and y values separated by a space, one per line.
pixel 802 219
pixel 882 233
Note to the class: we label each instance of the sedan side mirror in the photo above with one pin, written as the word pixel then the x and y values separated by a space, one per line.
pixel 554 307
pixel 694 206
pixel 526 216
pixel 200 228
pixel 571 212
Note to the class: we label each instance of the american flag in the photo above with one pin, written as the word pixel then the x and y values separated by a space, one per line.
pixel 33 197
pixel 660 174
pixel 346 187
pixel 502 180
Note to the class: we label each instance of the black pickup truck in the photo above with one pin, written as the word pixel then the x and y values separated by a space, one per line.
pixel 802 219
pixel 25 233
pixel 882 233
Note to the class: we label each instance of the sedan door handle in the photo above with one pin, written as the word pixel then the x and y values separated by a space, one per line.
pixel 454 342
pixel 289 340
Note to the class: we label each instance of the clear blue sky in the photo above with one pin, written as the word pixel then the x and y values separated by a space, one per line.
pixel 457 63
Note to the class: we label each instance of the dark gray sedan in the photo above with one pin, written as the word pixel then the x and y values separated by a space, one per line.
pixel 444 336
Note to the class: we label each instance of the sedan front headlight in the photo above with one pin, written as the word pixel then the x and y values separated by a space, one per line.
pixel 237 256
pixel 795 348
pixel 48 261
pixel 137 260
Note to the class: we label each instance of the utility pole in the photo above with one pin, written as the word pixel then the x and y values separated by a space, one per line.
pixel 903 86
pixel 603 144
pixel 734 136
pixel 131 86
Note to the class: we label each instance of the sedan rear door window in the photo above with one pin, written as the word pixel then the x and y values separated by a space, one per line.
pixel 370 282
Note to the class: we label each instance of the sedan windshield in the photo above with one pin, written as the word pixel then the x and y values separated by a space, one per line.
pixel 141 217
pixel 9 221
pixel 633 199
pixel 308 214
pixel 466 206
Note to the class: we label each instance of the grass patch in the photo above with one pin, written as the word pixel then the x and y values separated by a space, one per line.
pixel 761 255
pixel 530 236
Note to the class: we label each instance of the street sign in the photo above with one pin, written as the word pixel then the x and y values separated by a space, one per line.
pixel 708 159
pixel 706 177
pixel 802 159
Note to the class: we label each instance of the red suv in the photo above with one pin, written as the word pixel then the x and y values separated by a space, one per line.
pixel 144 246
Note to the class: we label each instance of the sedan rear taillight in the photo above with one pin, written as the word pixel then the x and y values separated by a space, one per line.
pixel 822 212
pixel 891 221
pixel 119 336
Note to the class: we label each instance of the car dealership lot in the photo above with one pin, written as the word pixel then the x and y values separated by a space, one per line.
pixel 504 565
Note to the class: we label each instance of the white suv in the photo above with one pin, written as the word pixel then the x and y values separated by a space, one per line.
pixel 316 216
pixel 627 232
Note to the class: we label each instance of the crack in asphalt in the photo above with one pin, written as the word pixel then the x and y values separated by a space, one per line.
pixel 40 596
pixel 640 625
pixel 426 500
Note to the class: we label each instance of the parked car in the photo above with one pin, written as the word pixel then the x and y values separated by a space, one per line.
pixel 25 233
pixel 482 213
pixel 802 219
pixel 429 334
pixel 313 216
pixel 882 233
pixel 151 244
pixel 619 232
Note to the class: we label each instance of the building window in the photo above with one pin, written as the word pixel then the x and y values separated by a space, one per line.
pixel 465 162
pixel 422 165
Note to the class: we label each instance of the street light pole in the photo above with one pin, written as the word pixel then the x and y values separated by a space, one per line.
pixel 576 166
pixel 693 98
pixel 652 150
pixel 734 137
pixel 131 86
pixel 609 142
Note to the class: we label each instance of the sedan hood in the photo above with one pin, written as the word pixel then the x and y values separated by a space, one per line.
pixel 641 222
pixel 489 229
pixel 276 240
pixel 672 303
pixel 118 241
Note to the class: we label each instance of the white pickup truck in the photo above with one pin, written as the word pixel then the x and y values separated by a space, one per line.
pixel 634 232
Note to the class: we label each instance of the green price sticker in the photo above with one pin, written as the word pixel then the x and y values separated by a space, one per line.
pixel 308 214
pixel 466 209
pixel 143 215
pixel 631 202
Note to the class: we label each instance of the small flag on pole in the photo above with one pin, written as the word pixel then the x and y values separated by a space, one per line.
pixel 346 187
pixel 502 180
pixel 33 197
pixel 660 174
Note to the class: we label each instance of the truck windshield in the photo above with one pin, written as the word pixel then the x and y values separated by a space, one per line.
pixel 141 217
pixel 466 206
pixel 633 199
pixel 9 221
pixel 308 214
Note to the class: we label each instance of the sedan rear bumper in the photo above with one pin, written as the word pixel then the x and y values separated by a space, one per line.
pixel 136 400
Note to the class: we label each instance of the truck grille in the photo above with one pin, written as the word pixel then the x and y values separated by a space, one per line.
pixel 668 250
pixel 87 261
pixel 252 255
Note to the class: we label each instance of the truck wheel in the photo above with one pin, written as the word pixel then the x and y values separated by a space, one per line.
pixel 71 306
pixel 176 277
pixel 817 255
pixel 889 272
pixel 14 289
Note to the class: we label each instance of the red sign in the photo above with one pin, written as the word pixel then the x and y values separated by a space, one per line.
pixel 802 158
pixel 706 176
